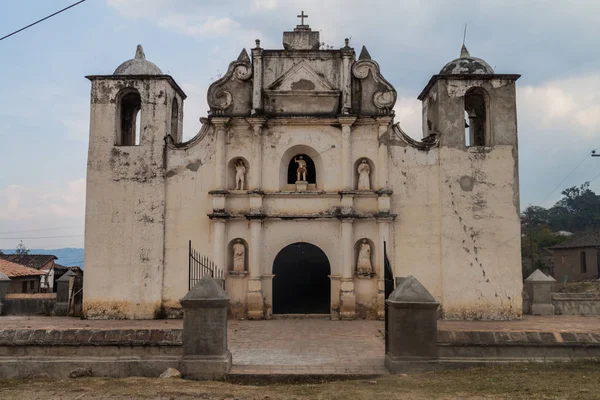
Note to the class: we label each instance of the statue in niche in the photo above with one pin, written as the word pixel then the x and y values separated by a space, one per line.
pixel 240 174
pixel 363 264
pixel 364 181
pixel 239 256
pixel 301 170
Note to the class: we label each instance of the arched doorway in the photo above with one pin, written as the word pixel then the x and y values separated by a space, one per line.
pixel 301 284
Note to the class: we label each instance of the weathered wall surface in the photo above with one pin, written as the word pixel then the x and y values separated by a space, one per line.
pixel 576 303
pixel 125 207
pixel 191 175
pixel 448 212
pixel 479 203
pixel 567 264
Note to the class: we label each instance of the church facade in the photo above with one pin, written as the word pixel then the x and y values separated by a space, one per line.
pixel 296 181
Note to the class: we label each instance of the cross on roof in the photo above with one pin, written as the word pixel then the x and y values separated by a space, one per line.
pixel 302 16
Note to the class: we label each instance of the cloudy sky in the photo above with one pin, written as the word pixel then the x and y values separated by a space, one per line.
pixel 44 97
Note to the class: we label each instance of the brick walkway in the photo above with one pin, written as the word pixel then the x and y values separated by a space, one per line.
pixel 309 346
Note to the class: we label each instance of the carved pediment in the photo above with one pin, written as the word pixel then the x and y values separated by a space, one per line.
pixel 232 94
pixel 301 77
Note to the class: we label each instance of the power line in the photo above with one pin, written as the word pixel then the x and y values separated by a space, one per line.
pixel 43 19
pixel 40 229
pixel 39 237
pixel 594 178
pixel 565 178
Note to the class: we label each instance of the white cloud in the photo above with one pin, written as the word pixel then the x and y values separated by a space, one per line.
pixel 189 25
pixel 408 114
pixel 265 4
pixel 43 211
pixel 195 106
pixel 191 18
pixel 569 105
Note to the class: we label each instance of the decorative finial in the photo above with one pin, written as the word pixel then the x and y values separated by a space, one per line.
pixel 464 52
pixel 257 41
pixel 364 54
pixel 302 16
pixel 243 56
pixel 347 42
pixel 139 53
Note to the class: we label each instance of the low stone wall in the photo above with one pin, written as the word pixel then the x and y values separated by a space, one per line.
pixel 576 303
pixel 29 304
pixel 518 345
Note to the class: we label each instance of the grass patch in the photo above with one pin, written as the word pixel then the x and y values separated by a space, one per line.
pixel 574 380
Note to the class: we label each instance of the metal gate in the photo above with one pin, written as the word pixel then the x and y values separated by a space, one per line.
pixel 201 266
pixel 388 280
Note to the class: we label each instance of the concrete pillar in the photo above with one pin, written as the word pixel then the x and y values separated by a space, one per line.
pixel 412 326
pixel 205 352
pixel 5 283
pixel 219 245
pixel 63 293
pixel 383 156
pixel 347 293
pixel 256 167
pixel 257 79
pixel 220 136
pixel 255 295
pixel 541 293
pixel 347 167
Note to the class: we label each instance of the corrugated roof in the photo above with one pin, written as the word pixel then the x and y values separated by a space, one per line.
pixel 36 261
pixel 589 239
pixel 13 270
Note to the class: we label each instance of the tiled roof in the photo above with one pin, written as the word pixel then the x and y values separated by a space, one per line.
pixel 13 270
pixel 589 239
pixel 36 261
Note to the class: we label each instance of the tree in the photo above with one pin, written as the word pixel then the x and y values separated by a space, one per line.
pixel 22 249
pixel 577 211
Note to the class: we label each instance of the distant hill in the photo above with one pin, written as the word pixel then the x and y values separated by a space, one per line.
pixel 66 256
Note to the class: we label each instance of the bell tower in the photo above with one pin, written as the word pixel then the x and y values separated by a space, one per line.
pixel 473 112
pixel 132 113
pixel 469 105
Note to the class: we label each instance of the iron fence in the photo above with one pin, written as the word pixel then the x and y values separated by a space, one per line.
pixel 201 266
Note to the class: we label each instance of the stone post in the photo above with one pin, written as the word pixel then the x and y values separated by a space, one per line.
pixel 4 288
pixel 383 156
pixel 347 167
pixel 541 293
pixel 383 225
pixel 347 293
pixel 257 143
pixel 220 168
pixel 412 326
pixel 63 288
pixel 219 245
pixel 255 296
pixel 346 74
pixel 205 352
pixel 258 79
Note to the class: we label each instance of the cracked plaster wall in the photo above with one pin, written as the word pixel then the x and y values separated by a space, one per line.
pixel 125 204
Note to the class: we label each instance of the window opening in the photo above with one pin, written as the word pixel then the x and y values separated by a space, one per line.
pixel 175 119
pixel 130 120
pixel 583 262
pixel 475 118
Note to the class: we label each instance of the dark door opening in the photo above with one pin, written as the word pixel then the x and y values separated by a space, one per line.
pixel 301 284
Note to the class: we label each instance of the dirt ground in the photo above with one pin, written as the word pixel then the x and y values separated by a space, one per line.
pixel 576 380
